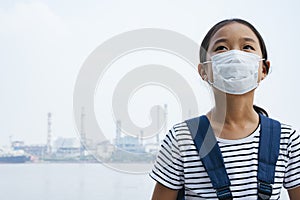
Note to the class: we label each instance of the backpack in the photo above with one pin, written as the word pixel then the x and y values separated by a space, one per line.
pixel 211 157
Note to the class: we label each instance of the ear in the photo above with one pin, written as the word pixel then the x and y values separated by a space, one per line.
pixel 202 72
pixel 265 69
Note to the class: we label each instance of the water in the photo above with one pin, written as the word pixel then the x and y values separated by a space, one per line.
pixel 74 182
pixel 71 182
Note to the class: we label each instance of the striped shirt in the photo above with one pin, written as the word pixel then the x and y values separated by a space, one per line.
pixel 178 164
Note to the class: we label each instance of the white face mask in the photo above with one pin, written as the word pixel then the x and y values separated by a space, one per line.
pixel 235 71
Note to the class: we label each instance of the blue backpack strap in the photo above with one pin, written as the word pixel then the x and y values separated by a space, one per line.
pixel 210 155
pixel 268 153
pixel 180 195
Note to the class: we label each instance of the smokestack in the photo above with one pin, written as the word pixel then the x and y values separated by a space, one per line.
pixel 49 131
pixel 82 133
pixel 166 118
pixel 118 132
pixel 141 137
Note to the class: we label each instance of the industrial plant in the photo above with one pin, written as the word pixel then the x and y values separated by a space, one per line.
pixel 122 149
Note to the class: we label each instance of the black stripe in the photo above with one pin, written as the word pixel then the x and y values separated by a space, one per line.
pixel 167 175
pixel 293 186
pixel 241 155
pixel 241 144
pixel 244 149
pixel 173 184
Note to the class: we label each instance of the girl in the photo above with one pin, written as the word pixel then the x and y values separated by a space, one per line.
pixel 233 60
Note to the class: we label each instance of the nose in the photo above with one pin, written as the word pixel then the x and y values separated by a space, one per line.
pixel 235 47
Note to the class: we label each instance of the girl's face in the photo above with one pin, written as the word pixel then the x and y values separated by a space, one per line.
pixel 234 36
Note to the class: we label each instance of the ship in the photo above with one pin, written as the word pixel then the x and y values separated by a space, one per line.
pixel 13 156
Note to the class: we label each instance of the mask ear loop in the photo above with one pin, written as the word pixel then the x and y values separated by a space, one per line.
pixel 206 78
pixel 263 62
pixel 206 62
pixel 269 71
pixel 210 83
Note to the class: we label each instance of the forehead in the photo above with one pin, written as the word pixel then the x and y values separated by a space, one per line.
pixel 234 30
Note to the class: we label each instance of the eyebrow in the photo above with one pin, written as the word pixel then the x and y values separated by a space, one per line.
pixel 220 40
pixel 247 39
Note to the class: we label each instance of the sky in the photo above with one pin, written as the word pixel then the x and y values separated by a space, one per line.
pixel 44 45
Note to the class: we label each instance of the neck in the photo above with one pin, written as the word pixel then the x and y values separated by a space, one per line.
pixel 233 109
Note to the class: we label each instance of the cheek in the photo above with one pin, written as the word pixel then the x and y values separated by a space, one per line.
pixel 209 72
pixel 208 69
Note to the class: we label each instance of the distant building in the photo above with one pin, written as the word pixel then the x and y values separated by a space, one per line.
pixel 130 149
pixel 34 150
pixel 17 144
pixel 152 148
pixel 66 148
pixel 105 150
pixel 130 144
pixel 67 152
pixel 65 143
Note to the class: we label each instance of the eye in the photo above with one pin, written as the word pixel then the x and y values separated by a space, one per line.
pixel 248 47
pixel 221 48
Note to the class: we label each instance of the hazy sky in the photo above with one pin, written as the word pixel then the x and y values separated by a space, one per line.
pixel 45 43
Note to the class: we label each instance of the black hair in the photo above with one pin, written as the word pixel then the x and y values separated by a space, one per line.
pixel 218 26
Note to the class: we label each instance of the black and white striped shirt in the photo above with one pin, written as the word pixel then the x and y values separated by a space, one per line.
pixel 178 164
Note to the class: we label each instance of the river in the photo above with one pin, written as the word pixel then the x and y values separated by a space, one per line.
pixel 89 181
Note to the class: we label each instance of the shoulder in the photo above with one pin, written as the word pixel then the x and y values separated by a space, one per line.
pixel 182 126
pixel 288 134
pixel 176 137
pixel 182 136
pixel 180 131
